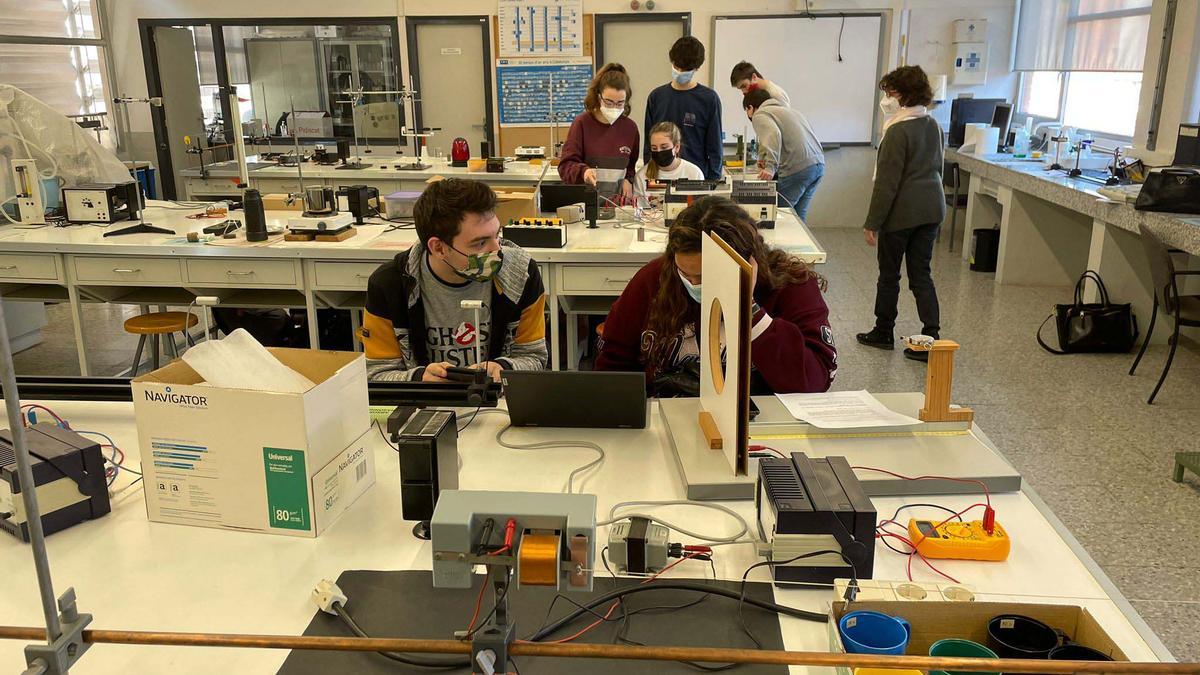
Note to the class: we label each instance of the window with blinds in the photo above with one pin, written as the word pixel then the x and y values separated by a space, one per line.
pixel 67 77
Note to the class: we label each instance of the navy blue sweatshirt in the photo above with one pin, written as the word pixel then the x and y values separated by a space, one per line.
pixel 697 113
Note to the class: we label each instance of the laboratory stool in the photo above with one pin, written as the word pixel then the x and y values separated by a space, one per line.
pixel 156 325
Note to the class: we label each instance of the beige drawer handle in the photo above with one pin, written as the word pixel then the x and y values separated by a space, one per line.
pixel 8 267
pixel 362 276
pixel 125 270
pixel 239 274
pixel 607 280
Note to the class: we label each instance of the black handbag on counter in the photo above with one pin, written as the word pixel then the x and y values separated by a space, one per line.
pixel 1091 328
pixel 1173 190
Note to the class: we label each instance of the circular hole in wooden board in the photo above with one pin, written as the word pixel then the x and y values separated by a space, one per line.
pixel 716 340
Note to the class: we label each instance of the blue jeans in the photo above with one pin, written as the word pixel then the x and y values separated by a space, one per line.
pixel 797 189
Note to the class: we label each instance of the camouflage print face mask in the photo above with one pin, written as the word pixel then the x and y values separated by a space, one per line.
pixel 481 267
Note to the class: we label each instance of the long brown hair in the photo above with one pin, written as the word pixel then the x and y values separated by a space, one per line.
pixel 720 216
pixel 671 130
pixel 611 76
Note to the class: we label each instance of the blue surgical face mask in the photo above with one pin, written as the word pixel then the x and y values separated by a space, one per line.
pixel 682 77
pixel 692 289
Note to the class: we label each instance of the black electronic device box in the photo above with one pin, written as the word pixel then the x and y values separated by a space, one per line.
pixel 536 232
pixel 102 202
pixel 964 111
pixel 805 505
pixel 427 441
pixel 68 472
pixel 554 195
pixel 578 399
pixel 358 201
pixel 1187 145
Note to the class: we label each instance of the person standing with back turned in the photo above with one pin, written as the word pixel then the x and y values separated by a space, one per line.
pixel 907 205
pixel 691 106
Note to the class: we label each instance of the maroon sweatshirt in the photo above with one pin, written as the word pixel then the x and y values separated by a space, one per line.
pixel 791 348
pixel 591 143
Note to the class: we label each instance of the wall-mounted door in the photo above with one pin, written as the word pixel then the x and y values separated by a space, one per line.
pixel 182 113
pixel 640 42
pixel 451 64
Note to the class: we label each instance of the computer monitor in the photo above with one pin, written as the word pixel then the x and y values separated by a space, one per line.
pixel 964 111
pixel 1001 119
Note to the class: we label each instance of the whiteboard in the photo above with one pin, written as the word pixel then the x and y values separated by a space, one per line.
pixel 800 54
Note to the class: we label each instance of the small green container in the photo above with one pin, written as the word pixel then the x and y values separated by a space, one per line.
pixel 955 647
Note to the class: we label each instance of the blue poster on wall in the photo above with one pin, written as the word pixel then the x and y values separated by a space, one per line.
pixel 530 90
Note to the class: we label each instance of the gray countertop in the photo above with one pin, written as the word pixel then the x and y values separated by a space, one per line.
pixel 1179 230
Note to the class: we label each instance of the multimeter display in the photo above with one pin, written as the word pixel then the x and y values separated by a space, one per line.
pixel 959 540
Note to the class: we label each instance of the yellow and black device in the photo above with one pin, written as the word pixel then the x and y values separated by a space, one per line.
pixel 546 232
pixel 959 540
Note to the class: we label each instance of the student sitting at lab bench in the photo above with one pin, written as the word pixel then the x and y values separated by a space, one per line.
pixel 653 325
pixel 666 144
pixel 414 327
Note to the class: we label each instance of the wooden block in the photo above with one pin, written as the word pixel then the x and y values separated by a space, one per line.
pixel 278 202
pixel 298 236
pixel 708 427
pixel 340 236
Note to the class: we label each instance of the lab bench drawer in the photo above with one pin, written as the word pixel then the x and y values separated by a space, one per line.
pixel 603 279
pixel 29 266
pixel 121 269
pixel 280 185
pixel 344 274
pixel 229 272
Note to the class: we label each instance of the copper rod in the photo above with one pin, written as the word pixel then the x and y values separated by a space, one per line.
pixel 648 653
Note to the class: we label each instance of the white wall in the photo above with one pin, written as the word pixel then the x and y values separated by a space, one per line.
pixel 840 200
pixel 1180 90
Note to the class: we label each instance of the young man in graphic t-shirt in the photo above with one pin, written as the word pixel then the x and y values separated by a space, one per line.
pixel 415 327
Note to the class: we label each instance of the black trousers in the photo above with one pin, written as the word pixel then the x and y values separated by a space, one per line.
pixel 914 247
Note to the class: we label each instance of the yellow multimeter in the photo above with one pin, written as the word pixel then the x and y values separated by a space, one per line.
pixel 959 540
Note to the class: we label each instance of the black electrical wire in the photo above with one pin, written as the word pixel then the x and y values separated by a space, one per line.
pixel 384 436
pixel 839 44
pixel 742 600
pixel 682 586
pixel 487 617
pixel 896 515
pixel 473 416
pixel 407 659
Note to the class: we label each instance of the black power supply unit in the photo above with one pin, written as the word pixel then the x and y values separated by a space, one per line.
pixel 68 473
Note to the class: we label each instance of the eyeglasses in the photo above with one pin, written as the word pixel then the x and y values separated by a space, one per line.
pixel 612 104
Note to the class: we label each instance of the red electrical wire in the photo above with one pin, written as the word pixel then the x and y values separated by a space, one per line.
pixel 760 448
pixel 986 494
pixel 478 605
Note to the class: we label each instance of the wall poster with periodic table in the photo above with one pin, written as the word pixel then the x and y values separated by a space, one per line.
pixel 524 87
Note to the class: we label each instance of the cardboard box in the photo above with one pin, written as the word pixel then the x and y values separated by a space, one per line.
pixel 313 124
pixel 280 202
pixel 511 202
pixel 256 461
pixel 933 621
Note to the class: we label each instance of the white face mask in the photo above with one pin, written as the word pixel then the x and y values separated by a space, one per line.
pixel 611 115
pixel 889 105
pixel 682 77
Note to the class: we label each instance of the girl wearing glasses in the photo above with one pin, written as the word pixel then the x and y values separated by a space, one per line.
pixel 601 147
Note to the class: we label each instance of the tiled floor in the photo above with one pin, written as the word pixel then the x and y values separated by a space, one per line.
pixel 1076 426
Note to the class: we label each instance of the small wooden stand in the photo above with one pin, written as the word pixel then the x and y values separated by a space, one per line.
pixel 305 236
pixel 708 427
pixel 939 376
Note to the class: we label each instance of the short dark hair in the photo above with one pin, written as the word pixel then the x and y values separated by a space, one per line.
pixel 910 83
pixel 687 53
pixel 440 209
pixel 742 71
pixel 755 99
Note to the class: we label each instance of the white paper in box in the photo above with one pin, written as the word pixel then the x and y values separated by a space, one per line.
pixel 250 460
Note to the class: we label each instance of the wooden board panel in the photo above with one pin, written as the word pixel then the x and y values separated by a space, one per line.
pixel 725 391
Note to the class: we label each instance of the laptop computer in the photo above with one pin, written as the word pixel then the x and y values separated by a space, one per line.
pixel 579 399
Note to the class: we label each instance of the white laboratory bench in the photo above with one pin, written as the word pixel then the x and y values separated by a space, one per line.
pixel 1053 228
pixel 219 180
pixel 135 575
pixel 78 265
